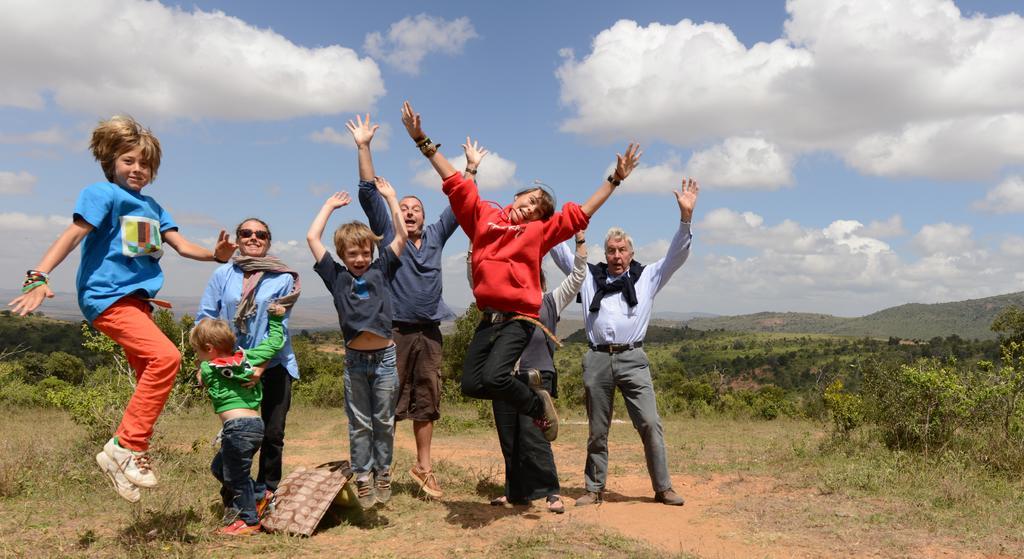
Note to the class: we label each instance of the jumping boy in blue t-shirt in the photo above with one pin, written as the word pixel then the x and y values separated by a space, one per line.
pixel 124 233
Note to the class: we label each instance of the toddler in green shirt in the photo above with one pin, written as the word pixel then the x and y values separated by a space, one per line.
pixel 226 373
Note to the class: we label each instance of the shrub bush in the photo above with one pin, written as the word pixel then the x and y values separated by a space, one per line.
pixel 846 410
pixel 97 408
pixel 919 406
pixel 324 391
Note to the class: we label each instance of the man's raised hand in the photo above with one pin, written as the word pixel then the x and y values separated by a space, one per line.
pixel 362 130
pixel 686 197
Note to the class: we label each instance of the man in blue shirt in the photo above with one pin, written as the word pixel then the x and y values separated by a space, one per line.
pixel 618 298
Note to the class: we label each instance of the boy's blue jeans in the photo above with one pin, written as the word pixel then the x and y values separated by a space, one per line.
pixel 232 465
pixel 371 392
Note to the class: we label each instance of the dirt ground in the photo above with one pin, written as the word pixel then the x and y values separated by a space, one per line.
pixel 732 508
pixel 725 516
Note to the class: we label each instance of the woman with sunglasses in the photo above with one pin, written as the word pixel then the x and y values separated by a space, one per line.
pixel 240 292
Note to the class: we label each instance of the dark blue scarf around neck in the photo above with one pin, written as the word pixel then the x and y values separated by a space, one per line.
pixel 602 288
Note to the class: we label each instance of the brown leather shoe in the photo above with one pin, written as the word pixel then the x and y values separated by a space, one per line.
pixel 427 482
pixel 589 498
pixel 669 497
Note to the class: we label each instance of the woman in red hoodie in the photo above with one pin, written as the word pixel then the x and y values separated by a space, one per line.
pixel 508 245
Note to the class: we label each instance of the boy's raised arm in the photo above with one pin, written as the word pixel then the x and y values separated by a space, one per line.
pixel 624 165
pixel 362 132
pixel 30 300
pixel 401 235
pixel 316 229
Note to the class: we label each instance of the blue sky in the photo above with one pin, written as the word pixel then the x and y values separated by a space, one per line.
pixel 853 154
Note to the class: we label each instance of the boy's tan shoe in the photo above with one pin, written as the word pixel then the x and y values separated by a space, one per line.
pixel 126 489
pixel 382 482
pixel 134 465
pixel 365 492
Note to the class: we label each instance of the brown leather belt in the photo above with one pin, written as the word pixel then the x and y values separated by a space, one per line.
pixel 497 317
pixel 616 348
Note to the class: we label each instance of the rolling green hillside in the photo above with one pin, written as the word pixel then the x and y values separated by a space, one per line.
pixel 968 319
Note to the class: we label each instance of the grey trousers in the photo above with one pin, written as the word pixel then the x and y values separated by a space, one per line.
pixel 630 372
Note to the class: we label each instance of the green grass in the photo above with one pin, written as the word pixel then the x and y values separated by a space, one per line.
pixel 783 485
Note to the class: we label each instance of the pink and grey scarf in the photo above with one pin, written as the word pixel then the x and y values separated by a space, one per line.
pixel 258 265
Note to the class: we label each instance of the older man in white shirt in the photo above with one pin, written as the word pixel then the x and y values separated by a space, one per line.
pixel 618 298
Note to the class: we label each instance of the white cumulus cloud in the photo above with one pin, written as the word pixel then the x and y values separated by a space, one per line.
pixel 407 42
pixel 1005 197
pixel 17 183
pixel 892 227
pixel 661 177
pixel 893 87
pixel 51 136
pixel 1013 245
pixel 752 163
pixel 328 135
pixel 495 172
pixel 180 64
pixel 943 239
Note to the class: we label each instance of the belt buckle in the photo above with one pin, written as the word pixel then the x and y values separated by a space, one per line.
pixel 619 348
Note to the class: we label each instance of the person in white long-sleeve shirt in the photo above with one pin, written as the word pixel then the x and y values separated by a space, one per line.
pixel 618 298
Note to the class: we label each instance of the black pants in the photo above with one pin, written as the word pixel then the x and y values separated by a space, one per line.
pixel 529 463
pixel 490 359
pixel 277 399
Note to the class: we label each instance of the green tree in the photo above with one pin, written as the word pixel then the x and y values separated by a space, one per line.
pixel 66 367
pixel 456 343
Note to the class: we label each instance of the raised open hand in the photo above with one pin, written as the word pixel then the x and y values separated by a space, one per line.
pixel 385 188
pixel 474 152
pixel 338 200
pixel 686 197
pixel 413 123
pixel 625 164
pixel 224 248
pixel 362 130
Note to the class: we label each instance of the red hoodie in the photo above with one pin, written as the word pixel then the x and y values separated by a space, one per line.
pixel 507 257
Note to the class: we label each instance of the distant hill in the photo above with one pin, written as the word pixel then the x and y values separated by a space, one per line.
pixel 968 319
pixel 311 313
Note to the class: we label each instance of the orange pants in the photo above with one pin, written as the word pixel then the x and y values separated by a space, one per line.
pixel 156 362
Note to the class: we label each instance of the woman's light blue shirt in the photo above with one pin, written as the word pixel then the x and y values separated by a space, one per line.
pixel 221 298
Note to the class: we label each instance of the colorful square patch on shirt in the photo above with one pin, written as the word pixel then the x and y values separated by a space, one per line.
pixel 140 236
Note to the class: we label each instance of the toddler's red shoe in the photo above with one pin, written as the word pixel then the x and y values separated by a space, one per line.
pixel 240 528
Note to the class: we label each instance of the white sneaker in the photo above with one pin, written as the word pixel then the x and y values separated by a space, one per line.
pixel 133 464
pixel 123 487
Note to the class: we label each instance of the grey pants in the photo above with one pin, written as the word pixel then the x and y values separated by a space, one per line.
pixel 630 372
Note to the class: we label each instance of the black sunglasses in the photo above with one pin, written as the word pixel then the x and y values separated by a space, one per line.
pixel 246 233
